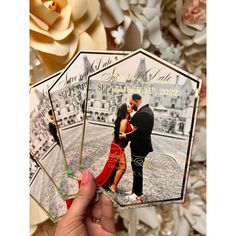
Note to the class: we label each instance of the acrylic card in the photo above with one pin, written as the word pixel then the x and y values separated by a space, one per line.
pixel 67 96
pixel 140 120
pixel 44 192
pixel 44 141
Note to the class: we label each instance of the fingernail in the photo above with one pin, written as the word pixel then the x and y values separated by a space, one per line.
pixel 85 177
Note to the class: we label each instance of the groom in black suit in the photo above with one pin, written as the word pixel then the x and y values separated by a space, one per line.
pixel 141 143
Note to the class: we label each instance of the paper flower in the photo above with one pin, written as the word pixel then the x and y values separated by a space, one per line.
pixel 194 12
pixel 185 21
pixel 59 28
pixel 134 219
pixel 140 20
pixel 172 54
pixel 191 21
pixel 189 215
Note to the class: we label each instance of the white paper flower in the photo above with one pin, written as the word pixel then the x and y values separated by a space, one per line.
pixel 185 21
pixel 133 219
pixel 59 28
pixel 139 18
pixel 118 35
pixel 190 214
pixel 172 54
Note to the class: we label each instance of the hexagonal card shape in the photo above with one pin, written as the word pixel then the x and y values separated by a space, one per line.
pixel 67 96
pixel 139 128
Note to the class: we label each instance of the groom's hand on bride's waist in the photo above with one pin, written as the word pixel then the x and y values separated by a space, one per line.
pixel 122 135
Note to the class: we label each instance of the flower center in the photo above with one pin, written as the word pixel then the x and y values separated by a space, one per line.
pixel 52 5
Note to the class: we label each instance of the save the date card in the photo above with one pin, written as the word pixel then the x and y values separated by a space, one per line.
pixel 67 98
pixel 140 120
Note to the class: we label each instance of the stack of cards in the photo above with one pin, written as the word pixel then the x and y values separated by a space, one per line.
pixel 128 118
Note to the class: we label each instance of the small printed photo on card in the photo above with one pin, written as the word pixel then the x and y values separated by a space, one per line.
pixel 139 127
pixel 67 98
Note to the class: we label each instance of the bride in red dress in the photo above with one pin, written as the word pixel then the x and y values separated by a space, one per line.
pixel 116 164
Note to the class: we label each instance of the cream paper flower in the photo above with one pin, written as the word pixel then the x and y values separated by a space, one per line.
pixel 59 28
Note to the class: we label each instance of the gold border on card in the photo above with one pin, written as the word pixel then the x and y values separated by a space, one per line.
pixel 191 133
pixel 38 203
pixel 54 220
pixel 50 178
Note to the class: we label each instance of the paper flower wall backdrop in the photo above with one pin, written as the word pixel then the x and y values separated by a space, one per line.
pixel 173 29
pixel 59 28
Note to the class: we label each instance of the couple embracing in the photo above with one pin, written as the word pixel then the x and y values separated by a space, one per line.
pixel 136 129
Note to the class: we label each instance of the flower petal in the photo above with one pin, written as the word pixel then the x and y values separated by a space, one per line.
pixel 45 44
pixel 183 39
pixel 90 16
pixel 45 14
pixel 154 31
pixel 196 210
pixel 59 35
pixel 64 21
pixel 34 27
pixel 183 227
pixel 124 4
pixel 39 22
pixel 200 37
pixel 55 34
pixel 61 3
pixel 37 214
pixel 189 216
pixel 152 3
pixel 194 50
pixel 98 33
pixel 112 14
pixel 60 30
pixel 150 13
pixel 133 1
pixel 197 219
pixel 86 42
pixel 78 8
pixel 148 216
pixel 185 29
pixel 55 63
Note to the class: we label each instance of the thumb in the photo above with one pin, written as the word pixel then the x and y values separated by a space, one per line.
pixel 85 196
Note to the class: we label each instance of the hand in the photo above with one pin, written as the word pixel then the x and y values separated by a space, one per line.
pixel 82 215
pixel 122 135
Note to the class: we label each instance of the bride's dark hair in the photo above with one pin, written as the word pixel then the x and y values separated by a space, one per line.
pixel 121 114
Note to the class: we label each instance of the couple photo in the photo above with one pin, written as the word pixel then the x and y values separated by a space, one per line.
pixel 130 128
